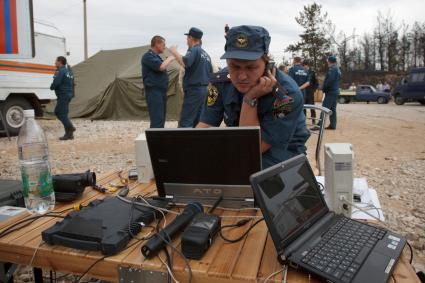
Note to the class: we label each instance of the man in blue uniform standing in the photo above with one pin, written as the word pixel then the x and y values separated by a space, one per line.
pixel 251 93
pixel 198 68
pixel 299 74
pixel 63 85
pixel 331 90
pixel 155 81
pixel 311 89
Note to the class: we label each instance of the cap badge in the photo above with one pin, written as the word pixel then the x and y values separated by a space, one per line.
pixel 241 41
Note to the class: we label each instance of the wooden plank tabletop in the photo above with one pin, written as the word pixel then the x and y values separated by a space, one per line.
pixel 251 260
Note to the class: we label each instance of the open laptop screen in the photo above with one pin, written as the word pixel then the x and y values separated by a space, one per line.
pixel 291 198
pixel 218 156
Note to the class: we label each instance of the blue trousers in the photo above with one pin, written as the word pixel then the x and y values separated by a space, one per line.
pixel 330 103
pixel 193 104
pixel 62 110
pixel 156 98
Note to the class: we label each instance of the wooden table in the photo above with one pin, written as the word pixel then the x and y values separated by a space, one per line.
pixel 250 260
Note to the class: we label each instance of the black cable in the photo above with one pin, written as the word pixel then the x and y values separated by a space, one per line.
pixel 170 264
pixel 411 252
pixel 168 243
pixel 239 224
pixel 16 227
pixel 102 258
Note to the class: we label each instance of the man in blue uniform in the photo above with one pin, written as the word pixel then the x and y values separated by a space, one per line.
pixel 63 85
pixel 311 89
pixel 155 81
pixel 331 90
pixel 248 93
pixel 299 74
pixel 198 68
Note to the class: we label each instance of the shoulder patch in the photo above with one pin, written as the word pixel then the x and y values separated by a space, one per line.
pixel 283 104
pixel 212 94
pixel 220 77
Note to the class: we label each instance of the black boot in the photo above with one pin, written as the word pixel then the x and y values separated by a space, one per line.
pixel 68 134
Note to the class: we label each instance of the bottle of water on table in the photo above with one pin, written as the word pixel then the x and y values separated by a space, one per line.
pixel 35 168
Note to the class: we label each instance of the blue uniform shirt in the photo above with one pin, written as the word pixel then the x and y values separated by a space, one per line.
pixel 152 75
pixel 331 83
pixel 299 74
pixel 284 131
pixel 198 67
pixel 63 82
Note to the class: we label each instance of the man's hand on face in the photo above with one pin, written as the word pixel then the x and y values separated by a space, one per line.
pixel 264 85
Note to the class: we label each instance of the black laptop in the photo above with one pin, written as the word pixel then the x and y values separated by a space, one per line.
pixel 306 234
pixel 203 164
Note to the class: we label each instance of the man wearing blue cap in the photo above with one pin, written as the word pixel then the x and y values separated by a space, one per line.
pixel 251 92
pixel 331 90
pixel 198 68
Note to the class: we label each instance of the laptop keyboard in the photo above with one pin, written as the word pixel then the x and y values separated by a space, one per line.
pixel 343 249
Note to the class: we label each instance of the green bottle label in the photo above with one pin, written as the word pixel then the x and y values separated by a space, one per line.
pixel 43 187
pixel 45 183
pixel 25 183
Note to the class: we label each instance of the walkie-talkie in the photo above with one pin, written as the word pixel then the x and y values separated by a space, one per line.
pixel 200 233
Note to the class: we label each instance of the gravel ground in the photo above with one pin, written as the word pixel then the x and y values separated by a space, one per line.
pixel 388 141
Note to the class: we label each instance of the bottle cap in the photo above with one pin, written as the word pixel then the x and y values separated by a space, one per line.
pixel 29 113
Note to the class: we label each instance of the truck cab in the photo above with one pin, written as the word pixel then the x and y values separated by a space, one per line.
pixel 411 88
pixel 25 83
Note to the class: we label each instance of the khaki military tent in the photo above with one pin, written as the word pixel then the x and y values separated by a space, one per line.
pixel 109 85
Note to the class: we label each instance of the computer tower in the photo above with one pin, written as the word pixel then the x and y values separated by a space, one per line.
pixel 143 160
pixel 339 176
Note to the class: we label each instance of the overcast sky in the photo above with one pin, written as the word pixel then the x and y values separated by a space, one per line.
pixel 127 23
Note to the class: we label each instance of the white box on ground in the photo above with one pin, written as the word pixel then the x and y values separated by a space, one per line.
pixel 339 176
pixel 143 160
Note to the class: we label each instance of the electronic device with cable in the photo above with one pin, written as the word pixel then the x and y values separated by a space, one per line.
pixel 104 225
pixel 69 187
pixel 201 164
pixel 307 234
pixel 339 176
pixel 164 236
pixel 200 233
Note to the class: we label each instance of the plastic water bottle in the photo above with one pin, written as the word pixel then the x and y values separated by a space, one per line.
pixel 35 168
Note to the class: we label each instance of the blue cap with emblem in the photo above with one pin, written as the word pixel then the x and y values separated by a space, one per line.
pixel 332 59
pixel 246 43
pixel 195 33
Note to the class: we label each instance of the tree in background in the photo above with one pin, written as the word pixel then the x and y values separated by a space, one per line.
pixel 404 48
pixel 314 42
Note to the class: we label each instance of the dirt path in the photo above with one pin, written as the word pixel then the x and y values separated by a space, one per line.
pixel 388 142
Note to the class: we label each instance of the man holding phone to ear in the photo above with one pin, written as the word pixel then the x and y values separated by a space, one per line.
pixel 252 92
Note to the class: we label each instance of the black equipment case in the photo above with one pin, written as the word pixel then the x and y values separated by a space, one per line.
pixel 11 193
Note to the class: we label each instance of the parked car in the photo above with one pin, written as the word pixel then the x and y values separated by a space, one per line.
pixel 411 88
pixel 25 83
pixel 365 93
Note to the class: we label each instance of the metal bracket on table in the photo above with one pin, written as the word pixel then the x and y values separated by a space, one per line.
pixel 135 275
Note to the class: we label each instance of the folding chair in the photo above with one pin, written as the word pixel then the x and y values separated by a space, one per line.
pixel 4 130
pixel 323 113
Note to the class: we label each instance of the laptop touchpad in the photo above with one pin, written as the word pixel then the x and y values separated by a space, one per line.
pixel 373 269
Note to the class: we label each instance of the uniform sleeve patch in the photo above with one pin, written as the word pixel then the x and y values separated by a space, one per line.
pixel 282 106
pixel 212 94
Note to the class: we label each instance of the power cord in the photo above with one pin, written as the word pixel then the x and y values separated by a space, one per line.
pixel 168 243
pixel 240 223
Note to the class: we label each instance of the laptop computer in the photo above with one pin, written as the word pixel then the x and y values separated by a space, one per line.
pixel 203 164
pixel 308 235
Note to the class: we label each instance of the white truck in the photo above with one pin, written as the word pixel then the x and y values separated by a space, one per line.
pixel 25 83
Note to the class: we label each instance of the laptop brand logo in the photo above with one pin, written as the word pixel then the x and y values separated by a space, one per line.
pixel 207 191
